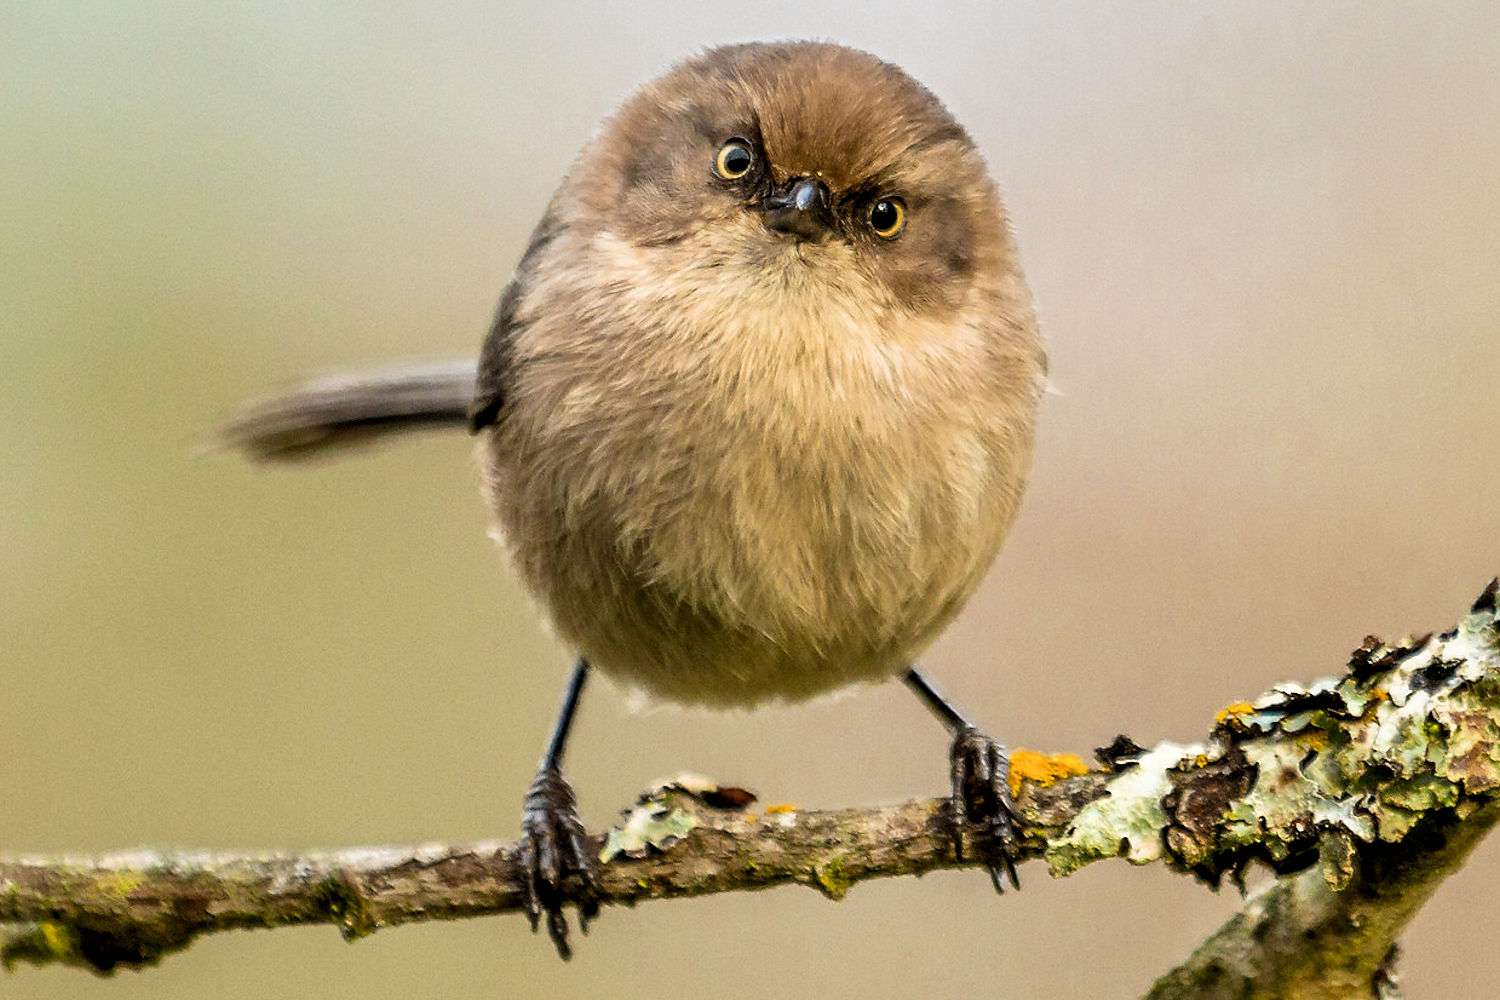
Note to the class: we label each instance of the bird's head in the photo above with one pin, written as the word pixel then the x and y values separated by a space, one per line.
pixel 809 164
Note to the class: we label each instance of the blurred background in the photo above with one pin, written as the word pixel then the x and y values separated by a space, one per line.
pixel 1263 242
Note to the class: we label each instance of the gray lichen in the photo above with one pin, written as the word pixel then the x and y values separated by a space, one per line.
pixel 1367 756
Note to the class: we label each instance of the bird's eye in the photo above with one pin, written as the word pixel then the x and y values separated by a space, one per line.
pixel 888 217
pixel 734 160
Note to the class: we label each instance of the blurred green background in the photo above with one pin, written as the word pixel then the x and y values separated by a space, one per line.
pixel 1263 243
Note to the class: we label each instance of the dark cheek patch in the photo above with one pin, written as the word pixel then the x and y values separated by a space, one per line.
pixel 656 199
pixel 650 160
pixel 667 188
pixel 949 234
pixel 652 215
pixel 929 267
pixel 959 262
pixel 911 285
pixel 645 166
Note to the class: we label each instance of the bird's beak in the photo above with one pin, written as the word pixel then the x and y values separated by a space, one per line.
pixel 800 209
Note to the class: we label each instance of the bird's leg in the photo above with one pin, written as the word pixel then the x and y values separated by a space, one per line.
pixel 555 858
pixel 981 786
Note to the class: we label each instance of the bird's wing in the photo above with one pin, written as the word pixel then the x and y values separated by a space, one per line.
pixel 494 360
pixel 495 357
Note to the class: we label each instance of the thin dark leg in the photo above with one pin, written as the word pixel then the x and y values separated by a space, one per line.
pixel 933 699
pixel 555 852
pixel 980 771
pixel 559 742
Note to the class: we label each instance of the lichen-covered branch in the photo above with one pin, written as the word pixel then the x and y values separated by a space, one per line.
pixel 1363 791
pixel 130 909
pixel 1329 932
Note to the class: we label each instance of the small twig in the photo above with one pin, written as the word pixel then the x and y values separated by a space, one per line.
pixel 132 908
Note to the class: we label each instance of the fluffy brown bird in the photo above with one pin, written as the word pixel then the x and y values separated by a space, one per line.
pixel 756 411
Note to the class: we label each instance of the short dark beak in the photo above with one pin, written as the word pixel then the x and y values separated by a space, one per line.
pixel 801 209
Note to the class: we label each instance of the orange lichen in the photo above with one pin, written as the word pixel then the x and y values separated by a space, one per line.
pixel 780 808
pixel 1313 739
pixel 1042 768
pixel 1234 709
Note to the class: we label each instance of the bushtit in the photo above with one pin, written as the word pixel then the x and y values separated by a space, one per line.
pixel 756 410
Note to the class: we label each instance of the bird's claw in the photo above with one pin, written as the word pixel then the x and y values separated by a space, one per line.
pixel 555 859
pixel 982 803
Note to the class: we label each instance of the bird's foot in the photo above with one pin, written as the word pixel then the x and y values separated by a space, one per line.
pixel 556 862
pixel 982 803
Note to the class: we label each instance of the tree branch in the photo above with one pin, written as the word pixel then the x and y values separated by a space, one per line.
pixel 1303 938
pixel 1373 786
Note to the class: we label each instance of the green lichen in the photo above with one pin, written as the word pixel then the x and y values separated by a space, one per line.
pixel 650 825
pixel 1128 821
pixel 1338 860
pixel 119 884
pixel 1296 793
pixel 1364 757
pixel 831 879
pixel 342 901
pixel 42 943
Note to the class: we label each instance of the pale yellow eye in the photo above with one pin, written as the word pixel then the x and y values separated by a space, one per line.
pixel 888 217
pixel 734 160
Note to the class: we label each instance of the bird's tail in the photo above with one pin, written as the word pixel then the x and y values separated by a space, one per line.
pixel 332 415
